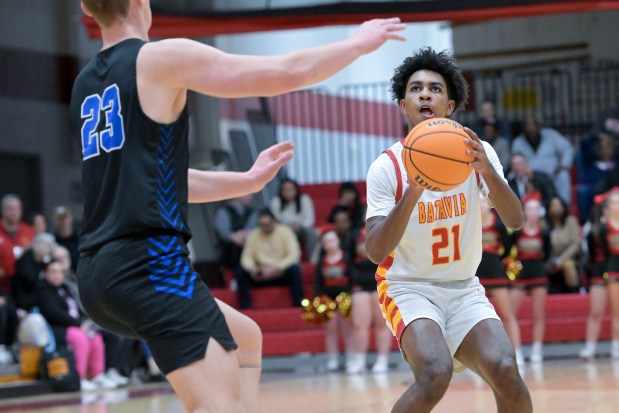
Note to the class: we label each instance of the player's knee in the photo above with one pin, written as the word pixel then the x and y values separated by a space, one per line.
pixel 250 343
pixel 503 370
pixel 435 377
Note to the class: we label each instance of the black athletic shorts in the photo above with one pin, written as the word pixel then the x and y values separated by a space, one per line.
pixel 145 288
pixel 491 272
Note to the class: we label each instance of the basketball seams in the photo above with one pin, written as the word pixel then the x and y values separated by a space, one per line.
pixel 431 153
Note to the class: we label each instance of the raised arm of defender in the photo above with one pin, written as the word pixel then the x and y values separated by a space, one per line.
pixel 186 64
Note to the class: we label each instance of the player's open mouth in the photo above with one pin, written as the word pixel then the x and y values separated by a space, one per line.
pixel 426 112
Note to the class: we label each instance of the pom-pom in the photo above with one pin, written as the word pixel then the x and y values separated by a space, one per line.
pixel 319 310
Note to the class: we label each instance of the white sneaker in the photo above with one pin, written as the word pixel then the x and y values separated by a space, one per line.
pixel 87 385
pixel 102 382
pixel 519 358
pixel 114 376
pixel 5 355
pixel 536 354
pixel 332 364
pixel 587 352
pixel 381 365
pixel 356 363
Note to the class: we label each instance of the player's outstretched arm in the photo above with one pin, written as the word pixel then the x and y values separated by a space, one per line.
pixel 186 64
pixel 209 186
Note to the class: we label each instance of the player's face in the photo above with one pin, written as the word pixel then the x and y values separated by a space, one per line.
pixel 426 97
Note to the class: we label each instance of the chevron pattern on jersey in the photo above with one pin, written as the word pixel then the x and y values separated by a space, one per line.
pixel 168 201
pixel 170 270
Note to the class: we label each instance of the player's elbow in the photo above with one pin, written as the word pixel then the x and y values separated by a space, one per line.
pixel 375 256
pixel 516 221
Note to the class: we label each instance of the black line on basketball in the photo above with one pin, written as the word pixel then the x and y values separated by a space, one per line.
pixel 435 180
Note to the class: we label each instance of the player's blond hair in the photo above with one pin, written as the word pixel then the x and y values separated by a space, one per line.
pixel 106 12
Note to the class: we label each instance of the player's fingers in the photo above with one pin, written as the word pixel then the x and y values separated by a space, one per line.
pixel 281 147
pixel 283 159
pixel 392 20
pixel 396 27
pixel 472 134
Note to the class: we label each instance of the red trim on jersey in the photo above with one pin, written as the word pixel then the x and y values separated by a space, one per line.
pixel 494 281
pixel 398 173
pixel 531 281
pixel 612 275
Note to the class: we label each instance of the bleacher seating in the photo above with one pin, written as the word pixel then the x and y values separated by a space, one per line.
pixel 285 333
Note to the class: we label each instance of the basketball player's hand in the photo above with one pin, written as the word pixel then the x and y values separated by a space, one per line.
pixel 270 161
pixel 373 33
pixel 481 163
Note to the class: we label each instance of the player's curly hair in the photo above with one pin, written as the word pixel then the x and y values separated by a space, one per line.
pixel 439 62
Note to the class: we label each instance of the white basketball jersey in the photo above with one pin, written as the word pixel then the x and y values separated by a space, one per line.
pixel 442 241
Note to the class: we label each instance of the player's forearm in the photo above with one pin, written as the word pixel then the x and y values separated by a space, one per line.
pixel 210 186
pixel 383 235
pixel 505 202
pixel 310 66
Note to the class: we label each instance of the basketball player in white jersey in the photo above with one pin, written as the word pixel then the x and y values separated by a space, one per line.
pixel 428 245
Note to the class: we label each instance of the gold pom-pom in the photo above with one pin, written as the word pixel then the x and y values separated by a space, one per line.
pixel 512 268
pixel 344 303
pixel 318 310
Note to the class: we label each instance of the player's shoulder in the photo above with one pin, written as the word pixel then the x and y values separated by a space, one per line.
pixel 384 159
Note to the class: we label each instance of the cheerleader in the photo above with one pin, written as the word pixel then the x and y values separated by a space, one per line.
pixel 609 238
pixel 533 248
pixel 491 273
pixel 332 278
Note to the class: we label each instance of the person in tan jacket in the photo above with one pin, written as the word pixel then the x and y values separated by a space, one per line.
pixel 270 257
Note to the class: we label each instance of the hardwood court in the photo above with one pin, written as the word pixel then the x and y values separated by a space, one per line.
pixel 556 386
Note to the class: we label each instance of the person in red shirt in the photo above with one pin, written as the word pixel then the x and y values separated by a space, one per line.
pixel 15 236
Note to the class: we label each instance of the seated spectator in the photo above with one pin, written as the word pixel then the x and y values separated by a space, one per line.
pixel 28 270
pixel 596 160
pixel 487 114
pixel 344 230
pixel 547 151
pixel 565 242
pixel 71 327
pixel 270 257
pixel 608 121
pixel 296 210
pixel 349 200
pixel 332 278
pixel 38 222
pixel 15 236
pixel 233 222
pixel 8 328
pixel 527 183
pixel 501 145
pixel 117 348
pixel 66 234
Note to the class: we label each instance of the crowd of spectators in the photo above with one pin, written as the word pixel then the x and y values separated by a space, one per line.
pixel 37 274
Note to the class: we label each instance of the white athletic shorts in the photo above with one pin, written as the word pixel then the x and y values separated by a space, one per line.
pixel 456 306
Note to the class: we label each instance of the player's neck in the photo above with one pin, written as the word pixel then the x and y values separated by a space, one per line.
pixel 119 32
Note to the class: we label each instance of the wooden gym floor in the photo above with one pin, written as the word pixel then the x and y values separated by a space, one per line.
pixel 556 386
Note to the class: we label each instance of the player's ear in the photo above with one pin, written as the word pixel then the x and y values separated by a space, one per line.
pixel 451 107
pixel 85 10
pixel 403 106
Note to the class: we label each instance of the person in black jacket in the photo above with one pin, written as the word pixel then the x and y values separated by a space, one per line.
pixel 71 327
pixel 526 182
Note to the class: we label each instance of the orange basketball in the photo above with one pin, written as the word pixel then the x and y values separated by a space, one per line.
pixel 434 154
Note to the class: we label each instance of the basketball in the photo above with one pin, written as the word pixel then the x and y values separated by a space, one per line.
pixel 434 154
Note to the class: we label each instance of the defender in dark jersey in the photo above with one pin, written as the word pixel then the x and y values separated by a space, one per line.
pixel 128 110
